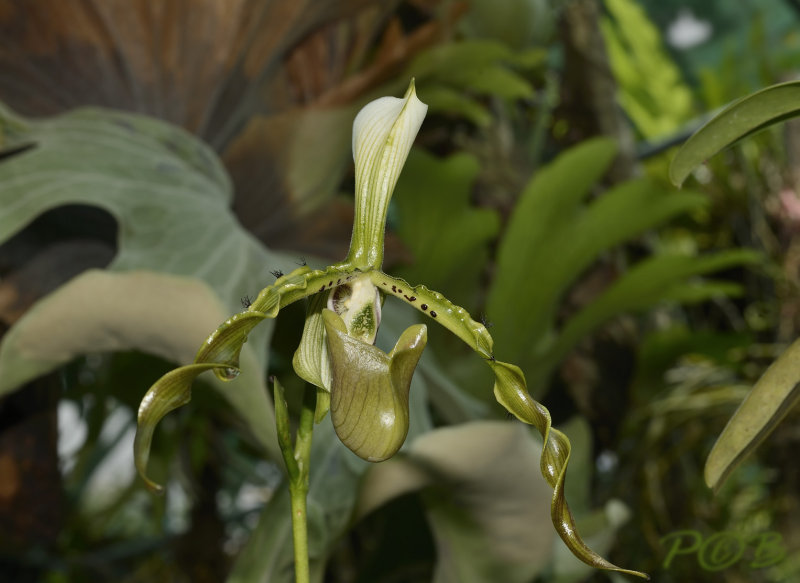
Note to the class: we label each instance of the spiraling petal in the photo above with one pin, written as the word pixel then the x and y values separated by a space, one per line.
pixel 173 390
pixel 383 132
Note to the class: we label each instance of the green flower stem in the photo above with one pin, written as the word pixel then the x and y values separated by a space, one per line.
pixel 297 460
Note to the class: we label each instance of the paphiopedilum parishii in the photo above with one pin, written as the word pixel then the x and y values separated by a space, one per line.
pixel 366 389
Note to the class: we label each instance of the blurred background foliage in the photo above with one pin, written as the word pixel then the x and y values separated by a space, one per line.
pixel 537 196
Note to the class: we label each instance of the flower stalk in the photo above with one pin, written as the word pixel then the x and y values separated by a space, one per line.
pixel 297 458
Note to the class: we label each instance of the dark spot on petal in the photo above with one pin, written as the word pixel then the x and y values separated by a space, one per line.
pixel 399 291
pixel 322 288
pixel 424 306
pixel 394 289
pixel 433 314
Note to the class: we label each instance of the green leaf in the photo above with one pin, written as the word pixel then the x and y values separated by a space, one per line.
pixel 650 87
pixel 480 66
pixel 450 58
pixel 485 498
pixel 492 80
pixel 740 119
pixel 654 280
pixel 545 209
pixel 447 235
pixel 772 397
pixel 369 390
pixel 553 237
pixel 448 101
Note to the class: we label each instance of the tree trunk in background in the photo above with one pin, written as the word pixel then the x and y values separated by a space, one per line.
pixel 589 90
pixel 597 375
pixel 31 493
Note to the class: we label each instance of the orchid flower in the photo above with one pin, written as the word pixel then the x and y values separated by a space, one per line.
pixel 365 389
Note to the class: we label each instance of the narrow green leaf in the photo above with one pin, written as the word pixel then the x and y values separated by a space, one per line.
pixel 740 119
pixel 449 58
pixel 369 392
pixel 447 101
pixel 494 79
pixel 658 278
pixel 772 397
pixel 546 208
pixel 556 236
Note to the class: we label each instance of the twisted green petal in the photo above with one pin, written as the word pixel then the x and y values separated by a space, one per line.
pixel 511 391
pixel 369 394
pixel 220 352
pixel 173 390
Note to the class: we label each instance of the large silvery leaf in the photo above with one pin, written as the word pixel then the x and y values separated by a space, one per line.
pixel 487 503
pixel 170 197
